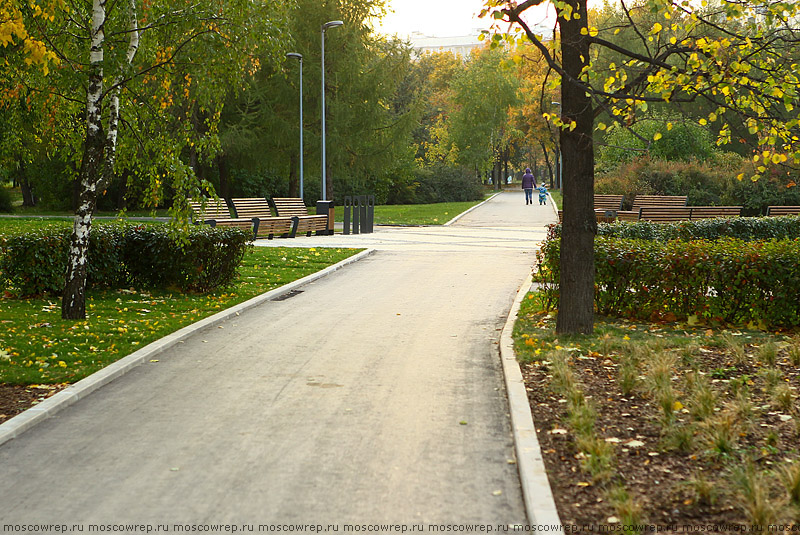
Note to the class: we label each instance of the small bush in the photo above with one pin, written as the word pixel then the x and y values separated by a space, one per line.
pixel 35 263
pixel 5 200
pixel 208 259
pixel 446 184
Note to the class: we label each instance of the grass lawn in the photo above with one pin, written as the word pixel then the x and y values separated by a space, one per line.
pixel 415 214
pixel 38 347
pixel 665 424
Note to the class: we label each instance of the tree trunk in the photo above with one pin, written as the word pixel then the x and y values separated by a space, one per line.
pixel 576 285
pixel 28 198
pixel 224 176
pixel 294 179
pixel 73 303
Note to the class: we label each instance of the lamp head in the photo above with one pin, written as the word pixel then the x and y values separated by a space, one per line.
pixel 295 55
pixel 331 24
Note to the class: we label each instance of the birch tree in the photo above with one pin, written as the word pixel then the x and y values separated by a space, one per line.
pixel 141 74
pixel 739 56
pixel 99 154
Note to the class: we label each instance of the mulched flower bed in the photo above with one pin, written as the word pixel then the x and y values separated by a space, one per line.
pixel 14 398
pixel 687 485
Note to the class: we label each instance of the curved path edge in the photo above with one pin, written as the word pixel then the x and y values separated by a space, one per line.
pixel 468 210
pixel 38 413
pixel 539 503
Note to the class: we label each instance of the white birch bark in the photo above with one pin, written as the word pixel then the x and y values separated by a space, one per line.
pixel 113 116
pixel 73 303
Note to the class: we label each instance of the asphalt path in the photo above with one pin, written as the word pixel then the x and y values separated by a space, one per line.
pixel 373 395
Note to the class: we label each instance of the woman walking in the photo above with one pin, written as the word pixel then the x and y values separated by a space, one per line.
pixel 528 183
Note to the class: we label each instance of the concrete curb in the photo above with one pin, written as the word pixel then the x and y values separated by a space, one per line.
pixel 38 413
pixel 465 212
pixel 536 493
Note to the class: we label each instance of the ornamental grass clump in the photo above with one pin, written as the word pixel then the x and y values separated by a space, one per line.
pixel 753 489
pixel 702 399
pixel 736 349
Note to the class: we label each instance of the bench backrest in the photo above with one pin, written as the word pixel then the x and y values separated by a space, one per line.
pixel 659 200
pixel 710 212
pixel 773 211
pixel 664 213
pixel 607 202
pixel 289 206
pixel 251 207
pixel 214 209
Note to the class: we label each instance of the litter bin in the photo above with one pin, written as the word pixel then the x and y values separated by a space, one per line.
pixel 326 208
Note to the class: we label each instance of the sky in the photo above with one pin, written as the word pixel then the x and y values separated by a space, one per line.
pixel 439 18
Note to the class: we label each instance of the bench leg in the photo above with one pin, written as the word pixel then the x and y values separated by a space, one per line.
pixel 295 223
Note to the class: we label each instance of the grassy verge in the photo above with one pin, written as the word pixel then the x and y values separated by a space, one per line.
pixel 38 347
pixel 665 423
pixel 557 197
pixel 416 214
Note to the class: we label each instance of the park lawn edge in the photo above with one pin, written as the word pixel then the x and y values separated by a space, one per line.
pixel 115 317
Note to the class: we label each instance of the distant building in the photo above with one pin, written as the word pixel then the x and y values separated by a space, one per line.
pixel 460 45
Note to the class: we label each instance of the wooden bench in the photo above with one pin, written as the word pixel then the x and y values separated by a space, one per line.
pixel 775 211
pixel 264 224
pixel 661 201
pixel 602 205
pixel 295 207
pixel 664 214
pixel 217 214
pixel 711 212
pixel 604 202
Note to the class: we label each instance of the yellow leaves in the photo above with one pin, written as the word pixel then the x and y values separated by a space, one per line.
pixel 657 136
pixel 591 31
pixel 656 28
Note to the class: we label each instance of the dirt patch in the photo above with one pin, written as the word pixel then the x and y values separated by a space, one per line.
pixel 673 483
pixel 15 399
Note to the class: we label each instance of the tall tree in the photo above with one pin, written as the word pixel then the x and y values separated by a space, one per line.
pixel 484 94
pixel 737 56
pixel 130 66
pixel 368 128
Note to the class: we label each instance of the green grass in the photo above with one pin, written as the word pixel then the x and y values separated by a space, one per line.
pixel 557 197
pixel 38 347
pixel 416 214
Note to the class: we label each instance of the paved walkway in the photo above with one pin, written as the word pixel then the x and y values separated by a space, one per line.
pixel 374 395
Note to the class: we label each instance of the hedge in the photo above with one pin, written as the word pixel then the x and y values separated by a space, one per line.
pixel 743 228
pixel 122 255
pixel 728 279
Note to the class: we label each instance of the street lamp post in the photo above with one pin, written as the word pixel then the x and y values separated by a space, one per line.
pixel 331 24
pixel 299 57
pixel 560 161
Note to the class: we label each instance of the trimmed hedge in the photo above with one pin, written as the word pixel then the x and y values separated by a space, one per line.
pixel 743 228
pixel 209 258
pixel 122 255
pixel 727 279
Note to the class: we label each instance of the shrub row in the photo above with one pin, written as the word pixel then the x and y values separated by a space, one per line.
pixel 727 279
pixel 122 255
pixel 742 228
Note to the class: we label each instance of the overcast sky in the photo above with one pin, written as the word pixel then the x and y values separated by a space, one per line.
pixel 440 18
